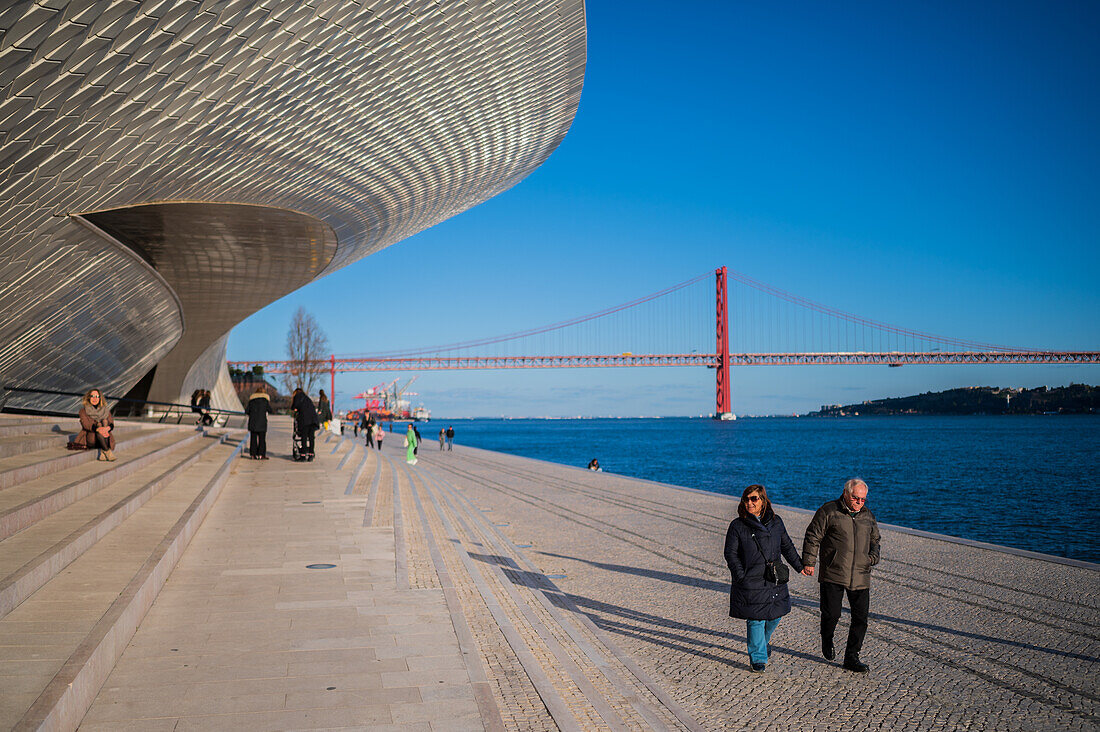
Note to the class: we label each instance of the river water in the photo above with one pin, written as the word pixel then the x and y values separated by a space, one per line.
pixel 1029 481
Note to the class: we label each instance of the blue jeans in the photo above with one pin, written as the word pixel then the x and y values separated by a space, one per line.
pixel 760 635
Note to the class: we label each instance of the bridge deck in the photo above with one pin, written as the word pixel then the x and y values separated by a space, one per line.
pixel 479 590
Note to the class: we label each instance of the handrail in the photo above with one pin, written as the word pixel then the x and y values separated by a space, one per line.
pixel 184 409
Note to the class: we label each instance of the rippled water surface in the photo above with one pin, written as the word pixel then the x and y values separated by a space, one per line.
pixel 1027 482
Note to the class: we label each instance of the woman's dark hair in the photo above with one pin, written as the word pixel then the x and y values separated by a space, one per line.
pixel 742 509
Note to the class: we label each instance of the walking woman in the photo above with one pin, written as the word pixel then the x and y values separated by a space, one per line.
pixel 259 406
pixel 410 445
pixel 324 409
pixel 756 538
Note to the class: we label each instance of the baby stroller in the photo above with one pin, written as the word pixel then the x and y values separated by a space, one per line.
pixel 296 445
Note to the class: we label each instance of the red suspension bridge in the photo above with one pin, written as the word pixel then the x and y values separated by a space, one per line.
pixel 771 327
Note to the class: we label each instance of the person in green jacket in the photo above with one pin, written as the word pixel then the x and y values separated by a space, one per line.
pixel 844 535
pixel 410 446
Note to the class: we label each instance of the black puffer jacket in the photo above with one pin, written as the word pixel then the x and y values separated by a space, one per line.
pixel 305 414
pixel 259 406
pixel 751 597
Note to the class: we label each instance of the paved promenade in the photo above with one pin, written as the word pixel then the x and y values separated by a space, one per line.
pixel 477 590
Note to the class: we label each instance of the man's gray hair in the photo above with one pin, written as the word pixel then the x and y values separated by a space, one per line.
pixel 852 484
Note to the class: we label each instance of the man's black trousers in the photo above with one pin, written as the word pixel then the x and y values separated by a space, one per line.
pixel 858 600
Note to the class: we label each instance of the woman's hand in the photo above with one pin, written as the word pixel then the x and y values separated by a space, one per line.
pixel 808 571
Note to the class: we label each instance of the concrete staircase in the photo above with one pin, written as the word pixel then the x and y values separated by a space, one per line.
pixel 85 547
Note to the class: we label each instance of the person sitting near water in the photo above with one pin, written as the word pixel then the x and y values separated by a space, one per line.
pixel 594 465
pixel 96 425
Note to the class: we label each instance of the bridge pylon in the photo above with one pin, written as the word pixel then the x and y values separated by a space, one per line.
pixel 722 407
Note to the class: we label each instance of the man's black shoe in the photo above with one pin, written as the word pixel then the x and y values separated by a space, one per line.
pixel 827 649
pixel 852 663
pixel 758 668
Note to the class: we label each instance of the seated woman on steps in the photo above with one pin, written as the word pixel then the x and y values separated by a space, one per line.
pixel 96 425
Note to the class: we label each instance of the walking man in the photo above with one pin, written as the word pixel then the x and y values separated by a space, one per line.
pixel 845 535
pixel 369 428
pixel 450 436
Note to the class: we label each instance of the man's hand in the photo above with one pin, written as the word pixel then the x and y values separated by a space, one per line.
pixel 808 571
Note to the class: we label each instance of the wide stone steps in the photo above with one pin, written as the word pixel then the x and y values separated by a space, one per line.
pixel 34 555
pixel 20 444
pixel 12 425
pixel 54 458
pixel 84 548
pixel 23 504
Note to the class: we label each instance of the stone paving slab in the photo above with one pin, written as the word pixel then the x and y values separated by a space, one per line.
pixel 476 590
pixel 96 602
pixel 244 635
pixel 960 636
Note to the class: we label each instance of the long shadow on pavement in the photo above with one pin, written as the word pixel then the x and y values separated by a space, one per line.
pixel 643 623
pixel 723 587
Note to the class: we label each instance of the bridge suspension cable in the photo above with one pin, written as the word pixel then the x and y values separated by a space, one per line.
pixel 672 327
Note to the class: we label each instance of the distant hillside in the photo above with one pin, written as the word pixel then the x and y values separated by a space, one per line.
pixel 1072 399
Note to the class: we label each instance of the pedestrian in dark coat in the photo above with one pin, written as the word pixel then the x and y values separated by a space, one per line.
pixel 259 406
pixel 366 423
pixel 845 536
pixel 204 408
pixel 324 408
pixel 195 396
pixel 305 419
pixel 759 602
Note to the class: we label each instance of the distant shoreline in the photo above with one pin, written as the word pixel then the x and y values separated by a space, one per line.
pixel 742 417
pixel 976 400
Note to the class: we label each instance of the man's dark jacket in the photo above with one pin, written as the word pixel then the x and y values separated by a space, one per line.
pixel 751 597
pixel 848 545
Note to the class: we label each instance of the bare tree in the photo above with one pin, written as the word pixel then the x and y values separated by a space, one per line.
pixel 306 345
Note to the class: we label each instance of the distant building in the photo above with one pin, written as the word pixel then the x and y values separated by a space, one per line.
pixel 245 384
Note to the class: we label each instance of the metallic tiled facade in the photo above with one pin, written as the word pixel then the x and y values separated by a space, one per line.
pixel 167 167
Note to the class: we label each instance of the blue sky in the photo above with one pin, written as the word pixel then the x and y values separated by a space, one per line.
pixel 931 165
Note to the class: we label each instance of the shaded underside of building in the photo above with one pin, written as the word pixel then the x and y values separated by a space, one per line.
pixel 169 167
